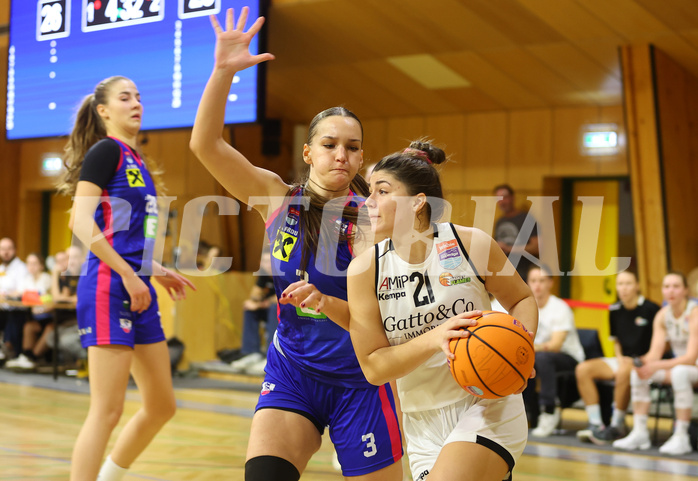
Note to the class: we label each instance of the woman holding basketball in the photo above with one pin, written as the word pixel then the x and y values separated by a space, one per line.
pixel 408 297
pixel 115 214
pixel 313 378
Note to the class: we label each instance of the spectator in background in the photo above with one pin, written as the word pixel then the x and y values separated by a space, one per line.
pixel 557 348
pixel 515 231
pixel 12 270
pixel 259 307
pixel 205 254
pixel 36 282
pixel 676 323
pixel 38 332
pixel 631 331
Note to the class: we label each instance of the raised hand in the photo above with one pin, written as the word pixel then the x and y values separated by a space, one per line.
pixel 233 44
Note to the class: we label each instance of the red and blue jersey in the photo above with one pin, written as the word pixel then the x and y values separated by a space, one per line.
pixel 309 340
pixel 127 215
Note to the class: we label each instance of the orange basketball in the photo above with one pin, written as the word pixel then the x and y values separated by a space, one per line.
pixel 496 359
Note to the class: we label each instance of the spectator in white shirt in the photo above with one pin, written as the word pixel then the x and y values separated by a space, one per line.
pixel 12 270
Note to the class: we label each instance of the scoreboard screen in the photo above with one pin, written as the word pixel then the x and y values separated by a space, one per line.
pixel 61 49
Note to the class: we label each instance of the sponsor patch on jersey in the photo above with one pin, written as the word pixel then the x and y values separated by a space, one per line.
pixel 267 387
pixel 641 321
pixel 150 226
pixel 447 279
pixel 449 255
pixel 125 325
pixel 393 282
pixel 135 178
pixel 283 245
pixel 310 312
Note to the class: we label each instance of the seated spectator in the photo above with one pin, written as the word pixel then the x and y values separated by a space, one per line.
pixel 12 270
pixel 259 307
pixel 631 331
pixel 36 282
pixel 557 349
pixel 677 323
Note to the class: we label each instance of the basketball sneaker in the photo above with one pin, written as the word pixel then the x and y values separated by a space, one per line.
pixel 257 368
pixel 584 435
pixel 637 439
pixel 602 436
pixel 546 424
pixel 244 362
pixel 677 445
pixel 20 362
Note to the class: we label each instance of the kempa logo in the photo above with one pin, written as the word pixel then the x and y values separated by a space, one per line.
pixel 383 296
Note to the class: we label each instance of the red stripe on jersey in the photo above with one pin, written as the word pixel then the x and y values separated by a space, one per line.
pixel 391 421
pixel 104 274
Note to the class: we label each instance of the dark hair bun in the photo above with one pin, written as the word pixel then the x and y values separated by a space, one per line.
pixel 435 154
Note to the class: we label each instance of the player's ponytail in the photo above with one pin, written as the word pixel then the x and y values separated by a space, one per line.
pixel 87 131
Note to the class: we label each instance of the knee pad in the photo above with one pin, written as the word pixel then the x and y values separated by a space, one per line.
pixel 265 468
pixel 682 380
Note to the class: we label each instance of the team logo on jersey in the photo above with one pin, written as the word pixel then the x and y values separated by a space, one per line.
pixel 129 159
pixel 449 255
pixel 135 178
pixel 292 216
pixel 641 321
pixel 125 325
pixel 283 245
pixel 267 387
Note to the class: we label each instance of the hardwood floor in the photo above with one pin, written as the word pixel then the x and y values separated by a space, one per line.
pixel 208 436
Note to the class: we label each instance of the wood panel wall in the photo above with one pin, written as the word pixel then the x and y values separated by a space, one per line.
pixel 643 155
pixel 677 102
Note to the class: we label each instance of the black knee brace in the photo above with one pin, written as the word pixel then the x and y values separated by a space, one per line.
pixel 270 468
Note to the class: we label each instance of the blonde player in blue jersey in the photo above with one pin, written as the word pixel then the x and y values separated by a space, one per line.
pixel 313 378
pixel 115 214
pixel 408 296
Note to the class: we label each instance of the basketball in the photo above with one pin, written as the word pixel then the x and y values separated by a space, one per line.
pixel 496 359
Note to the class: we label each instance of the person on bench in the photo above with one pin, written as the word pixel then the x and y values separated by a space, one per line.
pixel 631 332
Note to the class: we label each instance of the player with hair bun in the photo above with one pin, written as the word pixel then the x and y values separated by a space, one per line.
pixel 402 318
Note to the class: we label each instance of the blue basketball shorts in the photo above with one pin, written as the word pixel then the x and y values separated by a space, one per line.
pixel 363 423
pixel 105 316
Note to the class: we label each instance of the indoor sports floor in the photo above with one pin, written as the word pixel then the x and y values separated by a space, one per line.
pixel 206 440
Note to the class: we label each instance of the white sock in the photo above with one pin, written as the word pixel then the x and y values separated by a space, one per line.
pixel 618 419
pixel 681 427
pixel 640 422
pixel 111 471
pixel 594 414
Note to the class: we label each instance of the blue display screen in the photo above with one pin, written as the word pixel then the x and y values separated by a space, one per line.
pixel 61 49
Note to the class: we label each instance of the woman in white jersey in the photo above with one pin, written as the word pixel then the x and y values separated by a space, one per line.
pixel 677 323
pixel 420 285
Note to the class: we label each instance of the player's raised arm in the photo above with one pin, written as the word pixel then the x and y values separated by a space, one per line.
pixel 228 166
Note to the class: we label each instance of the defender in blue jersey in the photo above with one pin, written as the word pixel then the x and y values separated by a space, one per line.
pixel 313 378
pixel 115 214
